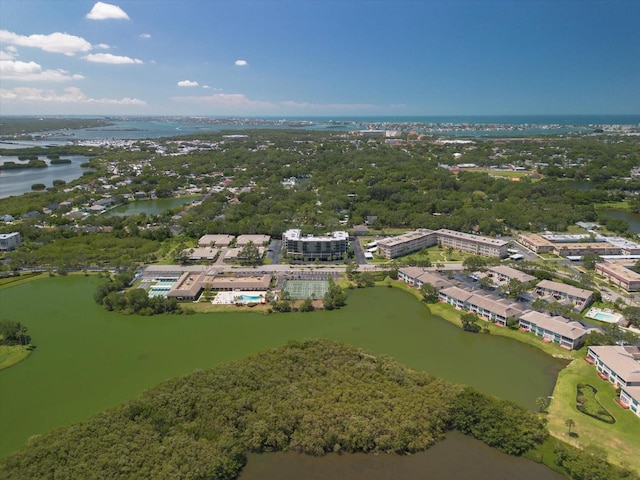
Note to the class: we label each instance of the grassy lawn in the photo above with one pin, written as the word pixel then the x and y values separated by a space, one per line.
pixel 12 354
pixel 621 440
pixel 613 205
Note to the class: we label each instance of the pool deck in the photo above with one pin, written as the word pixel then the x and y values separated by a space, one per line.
pixel 231 298
pixel 604 315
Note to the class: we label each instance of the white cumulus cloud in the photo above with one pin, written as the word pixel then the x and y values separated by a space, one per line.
pixel 187 83
pixel 145 35
pixel 7 55
pixel 241 63
pixel 70 95
pixel 107 11
pixel 110 58
pixel 54 42
pixel 33 72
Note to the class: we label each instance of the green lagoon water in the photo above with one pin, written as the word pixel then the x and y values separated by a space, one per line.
pixel 88 359
pixel 156 206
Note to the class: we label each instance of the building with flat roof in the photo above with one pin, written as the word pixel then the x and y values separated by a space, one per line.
pixel 188 287
pixel 215 240
pixel 619 275
pixel 410 242
pixel 535 242
pixel 566 333
pixel 257 240
pixel 476 244
pixel 581 248
pixel 10 241
pixel 560 292
pixel 200 253
pixel 250 282
pixel 299 247
pixel 407 243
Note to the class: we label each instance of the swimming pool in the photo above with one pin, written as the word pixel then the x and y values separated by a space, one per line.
pixel 604 316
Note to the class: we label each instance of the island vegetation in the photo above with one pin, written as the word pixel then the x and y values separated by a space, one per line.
pixel 312 397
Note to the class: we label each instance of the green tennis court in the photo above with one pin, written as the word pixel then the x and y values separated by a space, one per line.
pixel 301 289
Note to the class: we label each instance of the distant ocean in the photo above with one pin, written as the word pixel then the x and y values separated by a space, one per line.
pixel 441 125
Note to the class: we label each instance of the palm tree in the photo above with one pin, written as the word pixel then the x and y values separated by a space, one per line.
pixel 570 424
pixel 541 403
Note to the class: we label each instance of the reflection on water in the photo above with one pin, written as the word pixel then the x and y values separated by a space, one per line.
pixel 457 457
pixel 632 218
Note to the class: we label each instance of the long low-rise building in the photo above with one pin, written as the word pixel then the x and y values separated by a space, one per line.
pixel 619 275
pixel 407 243
pixel 560 292
pixel 417 277
pixel 299 247
pixel 476 244
pixel 620 366
pixel 582 248
pixel 211 240
pixel 535 242
pixel 410 242
pixel 566 333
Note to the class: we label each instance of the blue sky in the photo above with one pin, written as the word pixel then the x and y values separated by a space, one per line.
pixel 325 57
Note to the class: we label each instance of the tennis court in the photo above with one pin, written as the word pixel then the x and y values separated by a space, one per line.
pixel 301 289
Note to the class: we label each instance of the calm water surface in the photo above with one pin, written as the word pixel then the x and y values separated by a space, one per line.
pixel 457 457
pixel 17 182
pixel 632 218
pixel 151 207
pixel 88 359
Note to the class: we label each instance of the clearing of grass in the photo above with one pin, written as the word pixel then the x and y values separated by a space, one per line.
pixel 12 354
pixel 621 440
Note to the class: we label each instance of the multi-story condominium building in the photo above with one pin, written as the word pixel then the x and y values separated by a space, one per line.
pixel 413 241
pixel 476 244
pixel 619 275
pixel 566 333
pixel 620 366
pixel 487 307
pixel 407 243
pixel 580 248
pixel 10 241
pixel 299 247
pixel 535 242
pixel 504 273
pixel 579 297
